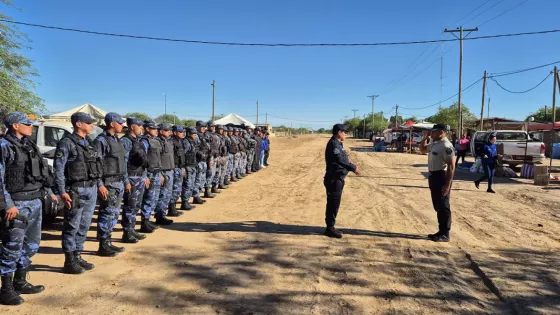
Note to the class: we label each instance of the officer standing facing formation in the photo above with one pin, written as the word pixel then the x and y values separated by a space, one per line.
pixel 204 158
pixel 179 172
pixel 214 143
pixel 135 178
pixel 236 151
pixel 111 186
pixel 257 155
pixel 441 164
pixel 167 166
pixel 78 168
pixel 221 183
pixel 24 178
pixel 155 179
pixel 338 166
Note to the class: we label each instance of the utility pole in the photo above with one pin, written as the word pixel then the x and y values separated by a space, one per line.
pixel 164 103
pixel 354 110
pixel 266 119
pixel 372 111
pixel 461 38
pixel 364 126
pixel 545 113
pixel 553 112
pixel 482 108
pixel 213 97
pixel 257 112
pixel 396 115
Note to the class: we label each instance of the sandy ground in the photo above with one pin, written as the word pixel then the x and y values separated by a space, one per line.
pixel 258 248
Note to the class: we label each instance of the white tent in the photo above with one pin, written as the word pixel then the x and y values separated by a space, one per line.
pixel 94 112
pixel 234 119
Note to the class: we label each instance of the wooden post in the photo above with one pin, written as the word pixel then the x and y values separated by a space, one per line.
pixel 553 115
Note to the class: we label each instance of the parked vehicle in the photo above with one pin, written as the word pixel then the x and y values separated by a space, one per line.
pixel 515 144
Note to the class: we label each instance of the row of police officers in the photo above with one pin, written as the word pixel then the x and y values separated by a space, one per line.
pixel 147 170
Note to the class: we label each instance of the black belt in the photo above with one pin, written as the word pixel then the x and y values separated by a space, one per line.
pixel 136 173
pixel 166 170
pixel 113 179
pixel 27 195
pixel 83 184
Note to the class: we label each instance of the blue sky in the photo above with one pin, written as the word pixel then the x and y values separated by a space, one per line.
pixel 302 83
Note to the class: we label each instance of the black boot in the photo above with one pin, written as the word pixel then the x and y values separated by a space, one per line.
pixel 104 249
pixel 215 190
pixel 223 186
pixel 153 225
pixel 187 206
pixel 172 210
pixel 208 194
pixel 113 247
pixel 138 236
pixel 332 232
pixel 71 265
pixel 226 181
pixel 163 220
pixel 233 179
pixel 82 262
pixel 198 201
pixel 129 238
pixel 22 286
pixel 145 227
pixel 8 296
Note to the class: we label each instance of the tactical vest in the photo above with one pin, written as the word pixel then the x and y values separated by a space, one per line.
pixel 242 144
pixel 114 159
pixel 137 157
pixel 87 165
pixel 28 171
pixel 215 144
pixel 190 156
pixel 203 147
pixel 154 155
pixel 233 145
pixel 179 152
pixel 3 204
pixel 167 162
pixel 251 144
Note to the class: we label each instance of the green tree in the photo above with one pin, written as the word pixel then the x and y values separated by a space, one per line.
pixel 189 122
pixel 141 116
pixel 543 116
pixel 16 71
pixel 400 120
pixel 168 119
pixel 448 116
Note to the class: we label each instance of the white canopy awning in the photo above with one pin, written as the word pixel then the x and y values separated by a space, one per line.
pixel 93 111
pixel 234 119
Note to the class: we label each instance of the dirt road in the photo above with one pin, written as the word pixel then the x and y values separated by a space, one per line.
pixel 258 249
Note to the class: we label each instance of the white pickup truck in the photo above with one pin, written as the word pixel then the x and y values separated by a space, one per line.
pixel 47 135
pixel 518 146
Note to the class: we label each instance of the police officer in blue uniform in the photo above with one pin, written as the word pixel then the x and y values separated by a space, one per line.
pixel 204 151
pixel 232 148
pixel 338 166
pixel 135 178
pixel 236 151
pixel 24 179
pixel 441 164
pixel 78 168
pixel 167 166
pixel 179 171
pixel 257 136
pixel 153 172
pixel 189 181
pixel 213 161
pixel 219 181
pixel 489 160
pixel 111 186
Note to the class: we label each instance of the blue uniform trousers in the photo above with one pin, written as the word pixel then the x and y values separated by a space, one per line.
pixel 151 195
pixel 164 194
pixel 78 220
pixel 133 202
pixel 109 209
pixel 189 184
pixel 177 184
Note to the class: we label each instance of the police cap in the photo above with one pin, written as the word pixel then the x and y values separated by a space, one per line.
pixel 440 127
pixel 81 117
pixel 200 123
pixel 339 127
pixel 220 127
pixel 178 128
pixel 17 118
pixel 150 124
pixel 133 121
pixel 191 130
pixel 113 117
pixel 211 123
pixel 164 127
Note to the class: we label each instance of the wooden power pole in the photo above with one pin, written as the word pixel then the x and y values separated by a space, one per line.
pixel 482 108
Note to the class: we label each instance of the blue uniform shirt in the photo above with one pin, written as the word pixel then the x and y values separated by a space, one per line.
pixel 127 144
pixel 65 152
pixel 338 164
pixel 7 156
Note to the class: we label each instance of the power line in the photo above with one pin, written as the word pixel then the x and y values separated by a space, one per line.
pixel 521 92
pixel 276 44
pixel 506 11
pixel 501 74
pixel 481 13
pixel 445 100
pixel 480 6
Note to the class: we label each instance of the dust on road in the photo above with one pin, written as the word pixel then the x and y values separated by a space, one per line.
pixel 258 248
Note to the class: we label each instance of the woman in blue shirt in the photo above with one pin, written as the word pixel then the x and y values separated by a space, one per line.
pixel 489 163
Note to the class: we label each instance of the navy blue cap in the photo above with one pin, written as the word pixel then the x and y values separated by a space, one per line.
pixel 220 127
pixel 113 117
pixel 134 121
pixel 211 123
pixel 178 128
pixel 191 130
pixel 81 117
pixel 339 127
pixel 200 123
pixel 150 124
pixel 17 118
pixel 164 127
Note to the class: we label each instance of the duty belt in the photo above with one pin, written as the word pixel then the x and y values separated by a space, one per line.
pixel 139 173
pixel 113 179
pixel 83 184
pixel 27 195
